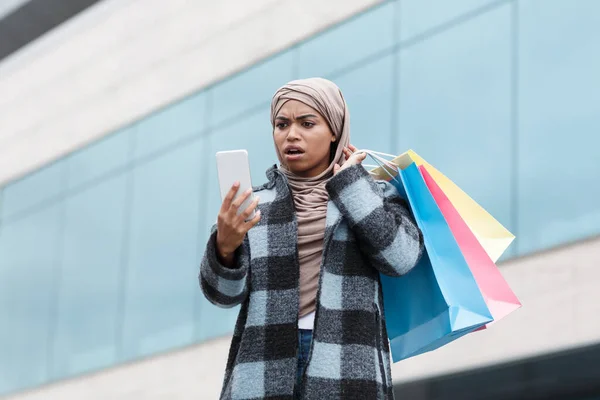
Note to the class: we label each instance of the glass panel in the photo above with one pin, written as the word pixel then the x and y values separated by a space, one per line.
pixel 33 189
pixel 559 116
pixel 368 91
pixel 28 252
pixel 251 88
pixel 161 281
pixel 202 322
pixel 99 158
pixel 458 117
pixel 167 126
pixel 418 16
pixel 88 315
pixel 253 133
pixel 364 35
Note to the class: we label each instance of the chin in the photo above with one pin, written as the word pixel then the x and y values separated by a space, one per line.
pixel 297 169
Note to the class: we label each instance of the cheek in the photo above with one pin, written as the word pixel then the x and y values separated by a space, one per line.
pixel 321 145
pixel 278 142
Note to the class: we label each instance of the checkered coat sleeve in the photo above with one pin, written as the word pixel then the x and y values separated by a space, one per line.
pixel 223 286
pixel 380 218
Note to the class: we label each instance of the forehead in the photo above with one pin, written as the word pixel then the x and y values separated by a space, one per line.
pixel 294 107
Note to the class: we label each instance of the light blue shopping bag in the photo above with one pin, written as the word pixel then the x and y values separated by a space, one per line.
pixel 439 300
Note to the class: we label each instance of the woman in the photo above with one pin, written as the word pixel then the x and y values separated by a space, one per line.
pixel 306 268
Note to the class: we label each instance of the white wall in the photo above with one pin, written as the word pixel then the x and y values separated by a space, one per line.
pixel 561 304
pixel 122 59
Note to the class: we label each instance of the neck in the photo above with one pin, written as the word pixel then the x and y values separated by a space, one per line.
pixel 313 173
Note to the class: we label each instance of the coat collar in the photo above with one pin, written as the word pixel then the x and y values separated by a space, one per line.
pixel 272 173
pixel 274 176
pixel 279 181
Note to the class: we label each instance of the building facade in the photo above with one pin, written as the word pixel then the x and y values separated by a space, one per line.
pixel 108 187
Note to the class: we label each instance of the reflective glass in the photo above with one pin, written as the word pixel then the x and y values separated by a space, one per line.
pixel 359 37
pixel 29 249
pixel 418 16
pixel 99 158
pixel 33 189
pixel 559 121
pixel 165 127
pixel 458 116
pixel 89 284
pixel 161 278
pixel 369 94
pixel 251 88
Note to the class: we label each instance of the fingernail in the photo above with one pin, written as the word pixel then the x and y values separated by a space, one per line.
pixel 258 213
pixel 236 183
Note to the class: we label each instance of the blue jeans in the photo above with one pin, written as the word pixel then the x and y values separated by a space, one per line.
pixel 304 340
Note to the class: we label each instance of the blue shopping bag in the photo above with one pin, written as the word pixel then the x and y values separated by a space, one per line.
pixel 438 301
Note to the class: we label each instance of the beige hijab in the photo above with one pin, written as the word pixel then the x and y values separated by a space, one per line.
pixel 310 195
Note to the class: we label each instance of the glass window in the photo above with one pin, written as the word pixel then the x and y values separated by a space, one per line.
pixel 88 314
pixel 458 116
pixel 251 88
pixel 360 37
pixel 28 261
pixel 559 117
pixel 418 16
pixel 33 189
pixel 99 158
pixel 369 93
pixel 161 279
pixel 253 133
pixel 167 126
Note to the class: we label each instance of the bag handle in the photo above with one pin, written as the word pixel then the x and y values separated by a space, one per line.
pixel 384 164
pixel 391 156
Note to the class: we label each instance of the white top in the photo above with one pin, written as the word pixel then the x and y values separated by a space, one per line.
pixel 307 322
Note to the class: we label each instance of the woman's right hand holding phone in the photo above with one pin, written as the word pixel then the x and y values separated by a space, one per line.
pixel 231 227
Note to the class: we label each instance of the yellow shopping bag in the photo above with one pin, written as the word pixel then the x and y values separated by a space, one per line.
pixel 494 237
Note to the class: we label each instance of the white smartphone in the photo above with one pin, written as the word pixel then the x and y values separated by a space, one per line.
pixel 233 166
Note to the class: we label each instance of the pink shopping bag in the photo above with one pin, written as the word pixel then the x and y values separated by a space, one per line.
pixel 499 297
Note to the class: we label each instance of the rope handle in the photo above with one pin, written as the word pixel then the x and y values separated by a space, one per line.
pixel 384 164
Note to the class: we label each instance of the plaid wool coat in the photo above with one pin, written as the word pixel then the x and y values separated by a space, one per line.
pixel 368 230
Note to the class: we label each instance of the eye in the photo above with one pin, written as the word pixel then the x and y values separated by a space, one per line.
pixel 281 125
pixel 308 124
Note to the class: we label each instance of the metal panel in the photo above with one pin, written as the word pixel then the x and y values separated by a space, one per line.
pixel 33 19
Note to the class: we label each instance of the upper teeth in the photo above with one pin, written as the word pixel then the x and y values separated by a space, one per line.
pixel 293 151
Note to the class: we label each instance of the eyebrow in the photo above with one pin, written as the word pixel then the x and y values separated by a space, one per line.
pixel 304 116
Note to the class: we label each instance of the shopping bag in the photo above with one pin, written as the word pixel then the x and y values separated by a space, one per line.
pixel 438 301
pixel 494 237
pixel 499 297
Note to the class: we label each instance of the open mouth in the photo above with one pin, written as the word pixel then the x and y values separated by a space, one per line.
pixel 293 152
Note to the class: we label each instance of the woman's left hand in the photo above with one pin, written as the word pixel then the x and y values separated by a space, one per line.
pixel 352 158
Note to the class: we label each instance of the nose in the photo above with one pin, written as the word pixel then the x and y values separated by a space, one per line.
pixel 293 133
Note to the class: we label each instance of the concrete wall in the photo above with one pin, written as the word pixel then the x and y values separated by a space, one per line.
pixel 122 59
pixel 561 305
